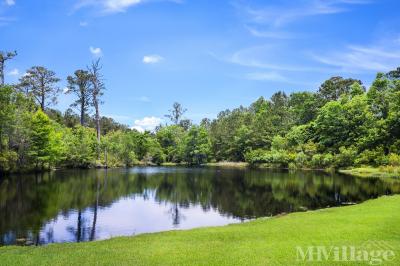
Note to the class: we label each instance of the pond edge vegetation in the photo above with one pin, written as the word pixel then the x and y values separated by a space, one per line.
pixel 257 242
pixel 343 125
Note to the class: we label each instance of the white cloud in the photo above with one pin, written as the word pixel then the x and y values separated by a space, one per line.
pixel 356 59
pixel 83 23
pixel 269 34
pixel 96 52
pixel 152 59
pixel 119 5
pixel 274 57
pixel 148 123
pixel 10 2
pixel 14 72
pixel 285 14
pixel 144 99
pixel 114 6
pixel 266 76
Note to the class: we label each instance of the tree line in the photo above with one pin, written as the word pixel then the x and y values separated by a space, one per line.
pixel 342 124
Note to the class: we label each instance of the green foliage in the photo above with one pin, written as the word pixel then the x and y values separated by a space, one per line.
pixel 345 157
pixel 170 138
pixel 394 159
pixel 341 125
pixel 81 145
pixel 120 147
pixel 197 146
pixel 333 88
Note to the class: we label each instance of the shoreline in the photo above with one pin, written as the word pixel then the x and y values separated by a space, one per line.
pixel 271 239
pixel 386 172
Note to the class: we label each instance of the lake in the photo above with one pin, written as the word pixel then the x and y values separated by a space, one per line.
pixel 85 205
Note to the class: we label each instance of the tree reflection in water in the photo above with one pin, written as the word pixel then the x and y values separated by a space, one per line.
pixel 35 208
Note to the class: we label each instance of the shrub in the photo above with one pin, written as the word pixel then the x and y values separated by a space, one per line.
pixel 317 161
pixel 328 160
pixel 369 157
pixel 394 159
pixel 301 159
pixel 345 157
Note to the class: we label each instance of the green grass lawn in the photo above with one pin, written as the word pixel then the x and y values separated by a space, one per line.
pixel 269 241
pixel 381 172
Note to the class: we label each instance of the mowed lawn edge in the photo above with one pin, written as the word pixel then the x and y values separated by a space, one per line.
pixel 264 241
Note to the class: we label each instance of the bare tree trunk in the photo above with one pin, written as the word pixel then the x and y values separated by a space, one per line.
pixel 93 232
pixel 96 106
pixel 82 113
pixel 79 225
pixel 42 102
pixel 105 157
pixel 2 72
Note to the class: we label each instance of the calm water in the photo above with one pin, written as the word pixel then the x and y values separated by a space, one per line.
pixel 84 205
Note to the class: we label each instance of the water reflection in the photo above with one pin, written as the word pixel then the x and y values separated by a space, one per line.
pixel 83 205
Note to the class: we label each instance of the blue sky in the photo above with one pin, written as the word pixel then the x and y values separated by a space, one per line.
pixel 207 55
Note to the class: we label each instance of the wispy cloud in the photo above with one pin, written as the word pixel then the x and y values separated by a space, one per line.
pixel 114 6
pixel 148 123
pixel 355 59
pixel 273 34
pixel 144 99
pixel 14 72
pixel 96 52
pixel 266 76
pixel 152 59
pixel 83 23
pixel 9 2
pixel 6 20
pixel 274 57
pixel 107 6
pixel 278 16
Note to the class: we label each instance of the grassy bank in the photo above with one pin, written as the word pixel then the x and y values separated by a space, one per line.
pixel 269 241
pixel 380 172
pixel 229 164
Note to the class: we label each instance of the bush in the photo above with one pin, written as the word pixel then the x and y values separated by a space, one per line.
pixel 317 161
pixel 301 159
pixel 254 156
pixel 328 160
pixel 8 161
pixel 368 157
pixel 394 159
pixel 345 157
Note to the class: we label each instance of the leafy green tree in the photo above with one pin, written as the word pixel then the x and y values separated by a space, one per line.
pixel 197 146
pixel 393 122
pixel 7 113
pixel 7 119
pixel 281 117
pixel 5 56
pixel 42 136
pixel 303 107
pixel 80 86
pixel 346 123
pixel 378 96
pixel 170 139
pixel 333 88
pixel 40 83
pixel 81 143
pixel 120 148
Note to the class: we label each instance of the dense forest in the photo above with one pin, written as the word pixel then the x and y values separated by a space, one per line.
pixel 343 124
